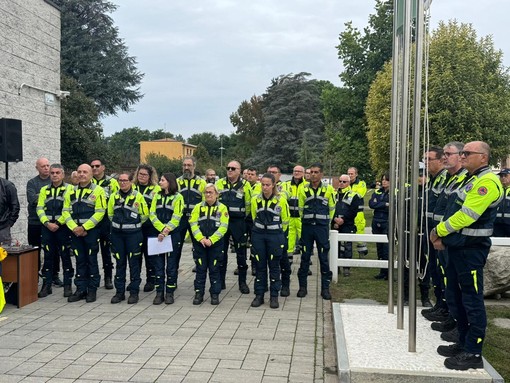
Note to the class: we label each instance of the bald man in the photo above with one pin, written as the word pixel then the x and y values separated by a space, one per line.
pixel 84 208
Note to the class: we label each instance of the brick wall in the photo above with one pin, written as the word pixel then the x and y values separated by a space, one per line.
pixel 30 55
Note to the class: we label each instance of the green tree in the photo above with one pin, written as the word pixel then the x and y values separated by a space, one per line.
pixel 93 53
pixel 291 110
pixel 363 54
pixel 209 141
pixel 468 94
pixel 163 164
pixel 249 123
pixel 80 131
pixel 124 146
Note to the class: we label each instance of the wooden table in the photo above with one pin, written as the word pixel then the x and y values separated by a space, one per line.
pixel 21 267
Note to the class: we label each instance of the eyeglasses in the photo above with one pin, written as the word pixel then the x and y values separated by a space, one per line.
pixel 95 166
pixel 297 171
pixel 447 154
pixel 123 181
pixel 231 168
pixel 343 182
pixel 143 174
pixel 467 153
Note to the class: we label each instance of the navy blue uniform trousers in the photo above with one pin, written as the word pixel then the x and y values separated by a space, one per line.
pixel 126 247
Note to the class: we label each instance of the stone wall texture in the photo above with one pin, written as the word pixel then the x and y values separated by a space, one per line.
pixel 29 84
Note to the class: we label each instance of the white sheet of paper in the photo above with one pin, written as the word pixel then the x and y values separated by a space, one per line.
pixel 155 247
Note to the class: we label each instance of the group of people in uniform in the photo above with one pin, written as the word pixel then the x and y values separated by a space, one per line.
pixel 116 216
pixel 464 201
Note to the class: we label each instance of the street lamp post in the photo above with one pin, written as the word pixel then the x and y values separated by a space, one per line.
pixel 221 151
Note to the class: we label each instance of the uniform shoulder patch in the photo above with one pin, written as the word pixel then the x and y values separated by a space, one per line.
pixel 482 190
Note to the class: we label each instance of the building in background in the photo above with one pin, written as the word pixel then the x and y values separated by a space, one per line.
pixel 29 90
pixel 175 150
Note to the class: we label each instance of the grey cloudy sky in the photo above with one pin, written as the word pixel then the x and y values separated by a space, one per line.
pixel 202 58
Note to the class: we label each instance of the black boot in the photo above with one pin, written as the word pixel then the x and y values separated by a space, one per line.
pixel 133 298
pixel 199 298
pixel 77 296
pixel 215 299
pixel 68 291
pixel 257 301
pixel 243 288
pixel 91 296
pixel 148 287
pixel 273 302
pixel 285 291
pixel 45 290
pixel 117 298
pixel 159 298
pixel 108 284
pixel 169 299
pixel 425 301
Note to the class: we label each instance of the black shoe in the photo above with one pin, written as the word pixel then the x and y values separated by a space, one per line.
pixel 253 271
pixel 363 254
pixel 243 288
pixel 450 350
pixel 117 298
pixel 169 298
pixel 273 302
pixel 57 282
pixel 199 298
pixel 437 316
pixel 133 298
pixel 91 296
pixel 159 298
pixel 425 302
pixel 77 296
pixel 302 292
pixel 194 269
pixel 257 301
pixel 215 299
pixel 236 272
pixel 451 336
pixel 285 291
pixel 444 326
pixel 429 310
pixel 223 286
pixel 148 287
pixel 347 272
pixel 45 291
pixel 309 272
pixel 68 291
pixel 464 361
pixel 325 294
pixel 108 284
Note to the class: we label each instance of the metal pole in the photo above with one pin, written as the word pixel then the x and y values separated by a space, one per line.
pixel 395 91
pixel 401 213
pixel 413 243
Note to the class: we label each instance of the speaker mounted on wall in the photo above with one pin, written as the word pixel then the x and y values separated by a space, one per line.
pixel 11 140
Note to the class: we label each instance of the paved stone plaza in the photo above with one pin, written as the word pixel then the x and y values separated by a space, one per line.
pixel 52 340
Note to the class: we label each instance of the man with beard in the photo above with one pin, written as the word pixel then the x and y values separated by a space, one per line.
pixel 192 188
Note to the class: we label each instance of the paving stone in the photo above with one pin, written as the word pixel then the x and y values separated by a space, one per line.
pixel 118 372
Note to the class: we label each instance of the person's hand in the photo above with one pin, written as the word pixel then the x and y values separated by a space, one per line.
pixel 166 231
pixel 203 241
pixel 339 221
pixel 53 227
pixel 79 231
pixel 161 236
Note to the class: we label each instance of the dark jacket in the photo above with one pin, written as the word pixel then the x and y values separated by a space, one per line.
pixel 9 204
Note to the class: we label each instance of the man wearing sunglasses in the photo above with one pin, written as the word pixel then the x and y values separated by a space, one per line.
pixel 235 193
pixel 109 185
pixel 465 234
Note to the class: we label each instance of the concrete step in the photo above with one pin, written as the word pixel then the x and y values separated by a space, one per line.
pixel 370 348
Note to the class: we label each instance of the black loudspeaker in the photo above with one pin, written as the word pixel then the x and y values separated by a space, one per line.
pixel 11 140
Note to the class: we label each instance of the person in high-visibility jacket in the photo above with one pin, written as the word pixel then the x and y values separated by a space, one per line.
pixel 166 213
pixel 465 233
pixel 380 202
pixel 146 182
pixel 292 188
pixel 346 209
pixel 191 186
pixel 3 255
pixel 127 211
pixel 317 207
pixel 84 208
pixel 109 185
pixel 209 224
pixel 235 193
pixel 270 213
pixel 360 187
pixel 55 236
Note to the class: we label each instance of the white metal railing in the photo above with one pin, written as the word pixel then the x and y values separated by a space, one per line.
pixel 335 262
